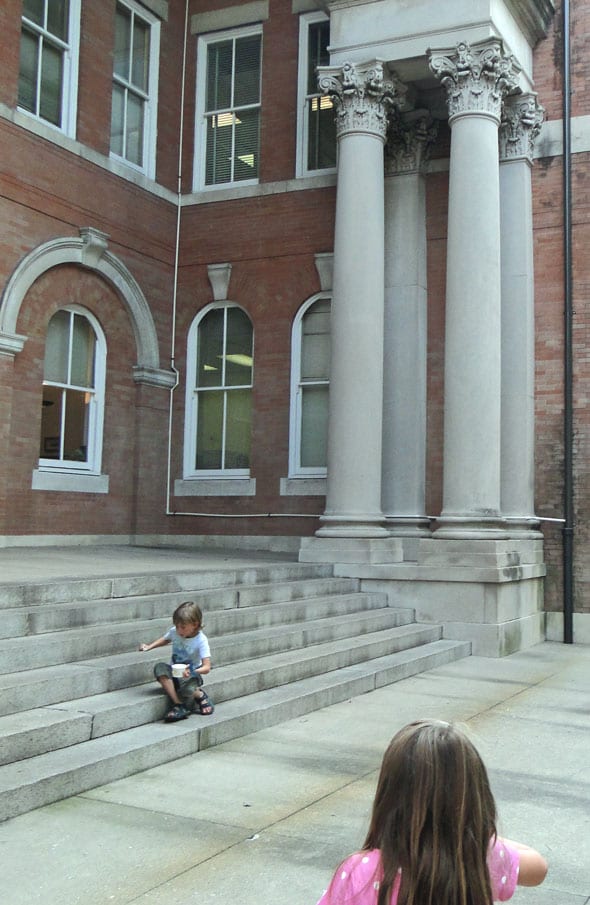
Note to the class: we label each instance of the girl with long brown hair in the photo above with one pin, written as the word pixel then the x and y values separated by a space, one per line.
pixel 432 839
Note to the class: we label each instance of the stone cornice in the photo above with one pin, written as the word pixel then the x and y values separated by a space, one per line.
pixel 476 77
pixel 534 15
pixel 361 96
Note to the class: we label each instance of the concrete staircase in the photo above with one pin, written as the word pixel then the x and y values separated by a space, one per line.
pixel 78 703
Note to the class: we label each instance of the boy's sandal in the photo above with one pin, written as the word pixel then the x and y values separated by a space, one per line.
pixel 205 704
pixel 178 712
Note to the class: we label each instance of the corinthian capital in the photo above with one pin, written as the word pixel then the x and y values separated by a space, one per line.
pixel 476 78
pixel 409 140
pixel 361 96
pixel 522 118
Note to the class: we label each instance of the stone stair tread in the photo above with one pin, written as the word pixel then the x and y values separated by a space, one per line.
pixel 48 777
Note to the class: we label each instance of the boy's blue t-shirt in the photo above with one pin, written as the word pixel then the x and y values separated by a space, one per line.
pixel 188 650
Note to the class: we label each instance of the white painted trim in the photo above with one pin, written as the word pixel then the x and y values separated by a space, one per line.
pixel 150 126
pixel 69 483
pixel 200 154
pixel 296 471
pixel 301 170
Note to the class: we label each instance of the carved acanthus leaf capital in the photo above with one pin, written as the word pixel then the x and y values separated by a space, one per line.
pixel 476 78
pixel 409 140
pixel 522 118
pixel 362 97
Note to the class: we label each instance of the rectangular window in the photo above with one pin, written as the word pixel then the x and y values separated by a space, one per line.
pixel 316 144
pixel 228 108
pixel 135 76
pixel 48 70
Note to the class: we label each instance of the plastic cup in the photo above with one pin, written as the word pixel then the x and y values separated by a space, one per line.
pixel 179 669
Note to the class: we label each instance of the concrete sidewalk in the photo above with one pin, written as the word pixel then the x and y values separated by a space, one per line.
pixel 264 820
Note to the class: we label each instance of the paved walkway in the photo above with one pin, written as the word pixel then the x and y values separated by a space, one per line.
pixel 263 820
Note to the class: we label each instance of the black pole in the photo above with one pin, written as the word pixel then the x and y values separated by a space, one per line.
pixel 568 438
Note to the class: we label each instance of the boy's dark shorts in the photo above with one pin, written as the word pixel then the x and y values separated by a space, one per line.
pixel 185 687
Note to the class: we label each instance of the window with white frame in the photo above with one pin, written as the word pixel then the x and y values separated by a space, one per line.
pixel 73 393
pixel 135 86
pixel 219 393
pixel 229 70
pixel 310 384
pixel 48 69
pixel 316 127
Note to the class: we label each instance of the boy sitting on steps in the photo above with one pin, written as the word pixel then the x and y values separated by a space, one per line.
pixel 190 646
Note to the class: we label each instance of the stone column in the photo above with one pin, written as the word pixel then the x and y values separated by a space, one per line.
pixel 476 80
pixel 405 334
pixel 521 123
pixel 361 98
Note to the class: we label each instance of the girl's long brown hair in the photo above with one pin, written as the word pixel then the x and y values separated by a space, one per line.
pixel 433 816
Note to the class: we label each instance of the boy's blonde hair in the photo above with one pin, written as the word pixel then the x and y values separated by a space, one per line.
pixel 188 613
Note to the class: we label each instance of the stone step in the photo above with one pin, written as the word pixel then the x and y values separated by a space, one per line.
pixel 28 733
pixel 41 618
pixel 58 774
pixel 13 594
pixel 69 645
pixel 39 687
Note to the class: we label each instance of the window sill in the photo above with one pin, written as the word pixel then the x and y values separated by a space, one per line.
pixel 70 482
pixel 215 487
pixel 303 486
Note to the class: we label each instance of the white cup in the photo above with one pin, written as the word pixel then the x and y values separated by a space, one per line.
pixel 179 669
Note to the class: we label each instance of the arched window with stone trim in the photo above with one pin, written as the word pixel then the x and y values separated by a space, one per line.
pixel 219 393
pixel 310 384
pixel 73 393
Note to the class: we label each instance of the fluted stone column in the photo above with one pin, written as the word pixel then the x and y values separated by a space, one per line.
pixel 476 80
pixel 521 123
pixel 405 334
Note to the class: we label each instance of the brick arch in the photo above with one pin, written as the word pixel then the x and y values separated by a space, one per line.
pixel 90 251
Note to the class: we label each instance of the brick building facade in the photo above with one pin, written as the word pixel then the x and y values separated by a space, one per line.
pixel 173 227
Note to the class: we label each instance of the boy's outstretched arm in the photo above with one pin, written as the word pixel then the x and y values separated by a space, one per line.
pixel 532 865
pixel 159 642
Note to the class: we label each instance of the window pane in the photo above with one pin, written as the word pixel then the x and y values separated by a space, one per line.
pixel 238 358
pixel 83 351
pixel 76 427
pixel 246 145
pixel 57 18
pixel 34 10
pixel 319 36
pixel 51 82
pixel 219 149
pixel 237 440
pixel 210 350
pixel 314 427
pixel 122 42
pixel 29 61
pixel 141 54
pixel 247 71
pixel 50 447
pixel 219 72
pixel 322 134
pixel 117 120
pixel 134 143
pixel 57 348
pixel 315 342
pixel 209 429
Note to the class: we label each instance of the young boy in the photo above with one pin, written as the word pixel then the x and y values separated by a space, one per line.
pixel 190 646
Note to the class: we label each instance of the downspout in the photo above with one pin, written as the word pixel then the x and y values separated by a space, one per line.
pixel 176 261
pixel 568 438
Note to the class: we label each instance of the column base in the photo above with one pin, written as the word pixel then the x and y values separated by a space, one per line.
pixel 338 549
pixel 470 527
pixel 352 526
pixel 482 552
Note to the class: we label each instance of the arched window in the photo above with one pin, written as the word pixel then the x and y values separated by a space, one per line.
pixel 73 393
pixel 219 393
pixel 310 382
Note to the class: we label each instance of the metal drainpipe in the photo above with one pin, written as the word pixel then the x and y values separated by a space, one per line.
pixel 568 529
